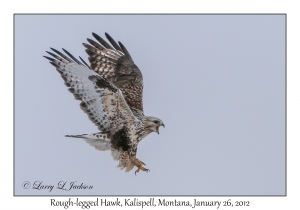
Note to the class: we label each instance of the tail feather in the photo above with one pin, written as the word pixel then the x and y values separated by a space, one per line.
pixel 76 136
pixel 98 140
pixel 102 136
pixel 99 144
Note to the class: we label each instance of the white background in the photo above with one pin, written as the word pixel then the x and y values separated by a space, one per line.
pixel 217 7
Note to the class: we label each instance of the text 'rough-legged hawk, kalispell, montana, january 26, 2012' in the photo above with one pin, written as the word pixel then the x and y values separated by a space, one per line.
pixel 110 91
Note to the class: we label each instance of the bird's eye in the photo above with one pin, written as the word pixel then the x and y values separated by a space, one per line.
pixel 155 121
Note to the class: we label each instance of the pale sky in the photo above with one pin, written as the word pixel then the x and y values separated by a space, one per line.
pixel 217 82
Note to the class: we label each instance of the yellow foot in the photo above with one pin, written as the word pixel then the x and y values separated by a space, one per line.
pixel 141 168
pixel 139 164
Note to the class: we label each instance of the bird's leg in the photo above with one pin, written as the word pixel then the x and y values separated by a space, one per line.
pixel 139 164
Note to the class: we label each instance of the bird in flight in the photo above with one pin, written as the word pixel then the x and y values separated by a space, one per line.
pixel 110 90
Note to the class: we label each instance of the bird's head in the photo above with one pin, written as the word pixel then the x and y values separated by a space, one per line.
pixel 152 124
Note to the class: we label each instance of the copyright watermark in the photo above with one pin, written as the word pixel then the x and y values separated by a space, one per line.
pixel 26 185
pixel 61 185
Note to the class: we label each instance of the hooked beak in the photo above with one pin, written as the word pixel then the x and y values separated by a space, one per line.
pixel 157 128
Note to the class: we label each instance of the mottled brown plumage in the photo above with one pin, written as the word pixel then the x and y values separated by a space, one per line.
pixel 110 91
pixel 116 65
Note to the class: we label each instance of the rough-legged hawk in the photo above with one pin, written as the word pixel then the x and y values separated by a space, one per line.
pixel 110 91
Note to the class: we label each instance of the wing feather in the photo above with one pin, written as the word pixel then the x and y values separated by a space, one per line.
pixel 101 100
pixel 117 66
pixel 102 41
pixel 113 42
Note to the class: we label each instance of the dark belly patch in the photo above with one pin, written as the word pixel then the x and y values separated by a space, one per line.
pixel 121 139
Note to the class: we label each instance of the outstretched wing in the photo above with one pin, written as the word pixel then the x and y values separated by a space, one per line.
pixel 116 65
pixel 100 99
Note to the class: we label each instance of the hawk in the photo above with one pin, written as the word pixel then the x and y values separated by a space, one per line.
pixel 110 90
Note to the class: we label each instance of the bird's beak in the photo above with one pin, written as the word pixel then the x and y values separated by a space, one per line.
pixel 157 128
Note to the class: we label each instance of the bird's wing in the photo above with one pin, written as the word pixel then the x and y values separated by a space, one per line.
pixel 102 101
pixel 116 65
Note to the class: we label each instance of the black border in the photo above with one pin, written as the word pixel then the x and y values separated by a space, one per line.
pixel 15 14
